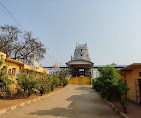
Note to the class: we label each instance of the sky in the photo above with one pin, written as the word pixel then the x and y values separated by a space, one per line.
pixel 111 28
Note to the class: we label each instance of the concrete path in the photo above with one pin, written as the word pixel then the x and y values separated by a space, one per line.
pixel 76 101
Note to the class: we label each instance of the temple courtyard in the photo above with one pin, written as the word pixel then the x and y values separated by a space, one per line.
pixel 76 101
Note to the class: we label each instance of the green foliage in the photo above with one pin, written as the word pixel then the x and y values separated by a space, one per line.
pixel 1 63
pixel 122 92
pixel 109 73
pixel 55 81
pixel 66 82
pixel 111 86
pixel 45 83
pixel 63 75
pixel 4 77
pixel 27 82
pixel 5 80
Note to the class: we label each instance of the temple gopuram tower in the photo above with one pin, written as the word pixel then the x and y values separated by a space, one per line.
pixel 80 66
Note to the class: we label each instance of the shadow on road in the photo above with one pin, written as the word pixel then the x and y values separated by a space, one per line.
pixel 83 88
pixel 82 106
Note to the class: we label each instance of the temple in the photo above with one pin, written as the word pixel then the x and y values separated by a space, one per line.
pixel 80 66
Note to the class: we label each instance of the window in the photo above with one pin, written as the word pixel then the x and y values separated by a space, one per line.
pixel 139 74
pixel 81 55
pixel 81 49
pixel 9 70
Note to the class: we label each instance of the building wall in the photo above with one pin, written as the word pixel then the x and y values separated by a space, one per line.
pixel 2 56
pixel 11 66
pixel 130 79
pixel 96 73
pixel 14 67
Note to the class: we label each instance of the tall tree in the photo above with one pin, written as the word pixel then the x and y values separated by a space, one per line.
pixel 8 38
pixel 19 46
pixel 32 49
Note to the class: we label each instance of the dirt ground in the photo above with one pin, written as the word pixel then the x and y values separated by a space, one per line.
pixel 13 101
pixel 133 110
pixel 76 101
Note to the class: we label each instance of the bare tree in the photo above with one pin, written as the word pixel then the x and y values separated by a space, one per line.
pixel 23 48
pixel 8 38
pixel 31 48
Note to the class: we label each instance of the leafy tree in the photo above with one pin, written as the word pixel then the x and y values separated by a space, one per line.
pixel 111 86
pixel 27 82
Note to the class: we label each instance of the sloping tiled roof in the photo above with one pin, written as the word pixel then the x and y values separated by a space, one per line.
pixel 131 67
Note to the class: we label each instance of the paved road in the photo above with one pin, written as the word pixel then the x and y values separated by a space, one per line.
pixel 76 101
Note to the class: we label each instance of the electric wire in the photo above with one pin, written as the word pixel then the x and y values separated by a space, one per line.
pixel 12 16
pixel 20 25
pixel 53 58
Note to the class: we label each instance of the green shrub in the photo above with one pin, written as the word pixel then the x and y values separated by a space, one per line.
pixel 111 86
pixel 5 80
pixel 27 82
pixel 63 76
pixel 45 83
pixel 55 81
pixel 66 82
pixel 53 86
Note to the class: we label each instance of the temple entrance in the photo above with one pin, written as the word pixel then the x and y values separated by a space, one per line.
pixel 80 80
pixel 81 71
pixel 80 66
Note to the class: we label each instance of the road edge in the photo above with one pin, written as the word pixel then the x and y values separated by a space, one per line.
pixel 26 103
pixel 116 109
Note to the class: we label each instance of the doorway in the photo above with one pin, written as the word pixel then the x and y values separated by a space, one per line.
pixel 140 88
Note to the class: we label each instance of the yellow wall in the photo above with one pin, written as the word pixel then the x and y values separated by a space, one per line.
pixel 13 65
pixel 80 80
pixel 18 68
pixel 130 79
pixel 36 68
pixel 41 70
pixel 2 56
pixel 10 63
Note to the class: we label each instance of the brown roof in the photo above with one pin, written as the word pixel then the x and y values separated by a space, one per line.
pixel 14 61
pixel 131 67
